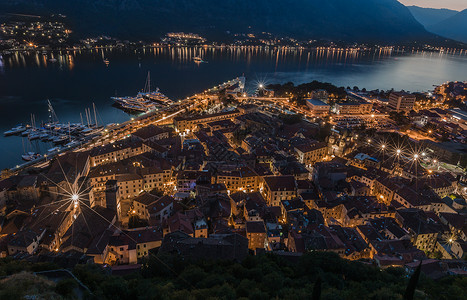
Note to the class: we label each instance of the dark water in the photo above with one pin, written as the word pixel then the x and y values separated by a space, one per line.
pixel 79 79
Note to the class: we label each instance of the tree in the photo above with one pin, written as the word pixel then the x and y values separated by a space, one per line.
pixel 65 287
pixel 316 295
pixel 399 118
pixel 136 222
pixel 410 291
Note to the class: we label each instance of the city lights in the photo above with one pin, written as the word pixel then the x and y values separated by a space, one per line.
pixel 275 161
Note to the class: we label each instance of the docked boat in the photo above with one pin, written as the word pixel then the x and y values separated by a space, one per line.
pixel 145 101
pixel 34 135
pixel 53 150
pixel 30 156
pixel 15 130
pixel 61 139
pixel 44 136
pixel 71 144
pixel 156 96
pixel 134 104
pixel 26 132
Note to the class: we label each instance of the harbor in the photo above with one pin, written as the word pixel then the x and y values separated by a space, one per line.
pixel 93 135
pixel 56 136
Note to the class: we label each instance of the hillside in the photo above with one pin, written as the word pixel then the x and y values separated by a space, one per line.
pixel 359 20
pixel 454 27
pixel 431 16
pixel 257 277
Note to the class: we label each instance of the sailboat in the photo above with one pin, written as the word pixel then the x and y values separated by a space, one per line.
pixel 52 59
pixel 198 59
pixel 104 59
pixel 30 156
pixel 15 130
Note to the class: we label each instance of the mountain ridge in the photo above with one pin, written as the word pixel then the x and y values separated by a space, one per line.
pixel 379 21
pixel 454 27
pixel 431 16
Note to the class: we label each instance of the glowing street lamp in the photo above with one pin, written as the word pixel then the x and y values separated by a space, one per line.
pixel 75 199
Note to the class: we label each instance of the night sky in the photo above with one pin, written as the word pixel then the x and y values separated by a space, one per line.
pixel 451 4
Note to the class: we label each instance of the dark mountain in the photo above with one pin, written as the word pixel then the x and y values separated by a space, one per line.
pixel 454 27
pixel 385 21
pixel 431 16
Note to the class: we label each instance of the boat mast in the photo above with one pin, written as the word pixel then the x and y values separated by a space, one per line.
pixel 52 114
pixel 87 117
pixel 147 85
pixel 95 116
pixel 149 81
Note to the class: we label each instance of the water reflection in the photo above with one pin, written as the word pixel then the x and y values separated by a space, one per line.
pixel 183 55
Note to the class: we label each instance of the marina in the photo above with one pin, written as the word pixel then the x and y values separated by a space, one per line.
pixel 58 135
